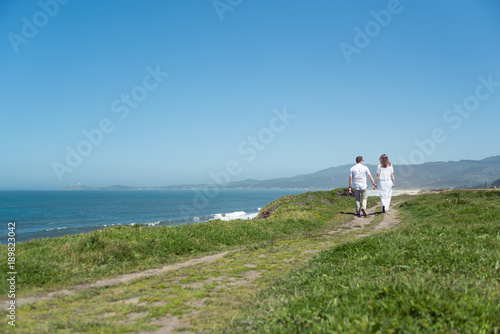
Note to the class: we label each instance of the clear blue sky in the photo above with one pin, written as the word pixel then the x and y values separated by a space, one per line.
pixel 347 78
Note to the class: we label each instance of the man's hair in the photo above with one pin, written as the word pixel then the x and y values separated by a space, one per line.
pixel 358 159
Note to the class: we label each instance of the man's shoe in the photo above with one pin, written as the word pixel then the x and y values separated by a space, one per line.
pixel 383 209
pixel 364 212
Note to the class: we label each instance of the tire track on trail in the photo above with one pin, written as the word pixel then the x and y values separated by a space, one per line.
pixel 122 278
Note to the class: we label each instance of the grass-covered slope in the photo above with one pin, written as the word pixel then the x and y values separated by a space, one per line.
pixel 438 272
pixel 63 262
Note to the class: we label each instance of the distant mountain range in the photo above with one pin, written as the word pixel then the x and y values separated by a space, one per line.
pixel 431 175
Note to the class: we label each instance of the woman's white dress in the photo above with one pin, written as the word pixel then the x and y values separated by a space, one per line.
pixel 385 185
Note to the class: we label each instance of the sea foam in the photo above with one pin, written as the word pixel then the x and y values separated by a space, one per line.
pixel 234 215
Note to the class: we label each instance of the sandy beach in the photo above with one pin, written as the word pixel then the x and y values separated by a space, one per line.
pixel 396 192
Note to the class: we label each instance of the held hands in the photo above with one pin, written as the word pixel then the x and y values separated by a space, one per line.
pixel 374 187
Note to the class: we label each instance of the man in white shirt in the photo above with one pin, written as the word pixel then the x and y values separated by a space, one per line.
pixel 357 178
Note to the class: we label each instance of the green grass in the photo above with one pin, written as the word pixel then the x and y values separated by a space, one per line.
pixel 438 272
pixel 56 263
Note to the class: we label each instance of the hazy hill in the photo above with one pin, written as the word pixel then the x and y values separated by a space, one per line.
pixel 451 174
pixel 431 175
pixel 496 183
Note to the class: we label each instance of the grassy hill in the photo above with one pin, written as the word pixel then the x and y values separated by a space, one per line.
pixel 437 271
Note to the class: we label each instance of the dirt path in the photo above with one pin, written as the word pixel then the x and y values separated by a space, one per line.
pixel 123 278
pixel 358 223
pixel 389 220
pixel 224 279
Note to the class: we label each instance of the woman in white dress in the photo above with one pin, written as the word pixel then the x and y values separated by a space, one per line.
pixel 385 172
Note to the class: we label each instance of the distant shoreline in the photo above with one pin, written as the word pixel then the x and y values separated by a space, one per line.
pixel 178 188
pixel 205 187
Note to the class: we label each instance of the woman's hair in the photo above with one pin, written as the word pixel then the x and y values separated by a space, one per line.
pixel 384 161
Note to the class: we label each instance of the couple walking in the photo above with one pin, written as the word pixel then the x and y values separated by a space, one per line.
pixel 357 180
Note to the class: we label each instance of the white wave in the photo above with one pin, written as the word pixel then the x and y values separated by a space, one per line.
pixel 252 215
pixel 150 224
pixel 55 229
pixel 234 215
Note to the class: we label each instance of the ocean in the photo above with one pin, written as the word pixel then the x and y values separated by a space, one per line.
pixel 48 214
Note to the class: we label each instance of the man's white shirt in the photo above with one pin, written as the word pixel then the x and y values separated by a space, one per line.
pixel 359 173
